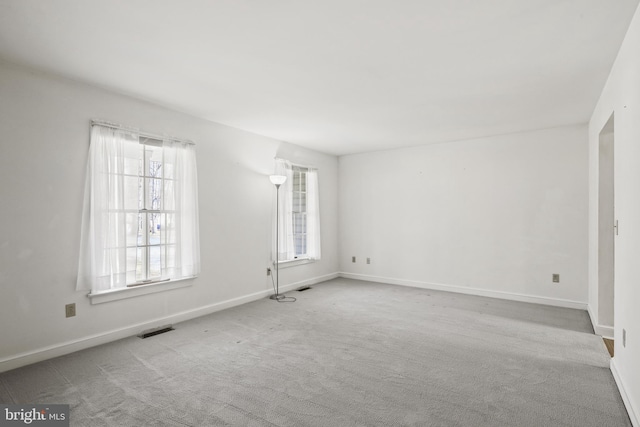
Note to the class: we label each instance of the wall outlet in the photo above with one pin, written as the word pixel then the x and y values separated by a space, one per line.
pixel 555 278
pixel 268 271
pixel 368 260
pixel 353 259
pixel 624 337
pixel 70 310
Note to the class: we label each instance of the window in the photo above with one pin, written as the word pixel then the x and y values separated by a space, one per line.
pixel 299 222
pixel 154 248
pixel 140 218
pixel 299 211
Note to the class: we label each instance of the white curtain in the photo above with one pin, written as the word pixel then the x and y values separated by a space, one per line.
pixel 286 248
pixel 314 250
pixel 110 220
pixel 286 244
pixel 103 248
pixel 180 164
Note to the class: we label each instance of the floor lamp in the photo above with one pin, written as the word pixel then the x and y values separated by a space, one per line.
pixel 277 180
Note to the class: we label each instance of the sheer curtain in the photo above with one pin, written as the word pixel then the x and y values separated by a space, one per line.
pixel 105 227
pixel 314 250
pixel 286 244
pixel 113 219
pixel 286 248
pixel 180 165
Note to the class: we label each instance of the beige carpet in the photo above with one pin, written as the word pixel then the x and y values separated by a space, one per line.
pixel 347 353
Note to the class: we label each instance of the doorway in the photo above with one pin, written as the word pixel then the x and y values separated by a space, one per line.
pixel 606 231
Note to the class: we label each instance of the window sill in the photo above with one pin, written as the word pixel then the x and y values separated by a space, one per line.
pixel 294 262
pixel 151 288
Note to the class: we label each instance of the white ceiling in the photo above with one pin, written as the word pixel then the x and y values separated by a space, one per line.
pixel 338 76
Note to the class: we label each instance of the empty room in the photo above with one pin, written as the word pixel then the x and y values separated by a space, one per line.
pixel 320 213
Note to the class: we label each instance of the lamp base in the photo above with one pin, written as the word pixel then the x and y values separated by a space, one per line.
pixel 277 297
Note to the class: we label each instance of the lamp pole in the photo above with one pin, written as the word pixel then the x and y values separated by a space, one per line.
pixel 277 180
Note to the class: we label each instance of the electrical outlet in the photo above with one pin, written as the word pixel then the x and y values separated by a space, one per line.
pixel 353 259
pixel 624 337
pixel 368 260
pixel 556 278
pixel 70 310
pixel 268 271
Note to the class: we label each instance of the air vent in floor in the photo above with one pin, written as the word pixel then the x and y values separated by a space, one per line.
pixel 304 288
pixel 156 331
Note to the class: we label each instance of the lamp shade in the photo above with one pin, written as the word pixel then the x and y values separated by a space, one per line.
pixel 277 179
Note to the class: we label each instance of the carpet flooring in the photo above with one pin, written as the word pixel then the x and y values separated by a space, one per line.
pixel 347 353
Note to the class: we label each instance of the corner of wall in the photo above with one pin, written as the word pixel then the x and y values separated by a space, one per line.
pixel 635 421
pixel 603 331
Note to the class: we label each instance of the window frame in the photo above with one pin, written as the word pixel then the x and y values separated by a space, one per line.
pixel 138 290
pixel 144 176
pixel 184 238
pixel 301 171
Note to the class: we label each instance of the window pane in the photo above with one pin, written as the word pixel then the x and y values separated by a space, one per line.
pixel 154 194
pixel 153 160
pixel 140 264
pixel 132 229
pixel 155 169
pixel 163 261
pixel 155 267
pixel 112 233
pixel 171 259
pixel 131 193
pixel 169 168
pixel 299 223
pixel 155 228
pixel 296 180
pixel 168 200
pixel 142 221
pixel 161 226
pixel 303 181
pixel 300 242
pixel 169 228
pixel 132 259
pixel 140 193
pixel 303 202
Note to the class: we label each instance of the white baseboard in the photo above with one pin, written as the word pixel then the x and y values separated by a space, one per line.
pixel 38 355
pixel 625 398
pixel 603 331
pixel 557 302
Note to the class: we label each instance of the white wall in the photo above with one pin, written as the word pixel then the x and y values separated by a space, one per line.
pixel 44 140
pixel 606 236
pixel 493 216
pixel 621 96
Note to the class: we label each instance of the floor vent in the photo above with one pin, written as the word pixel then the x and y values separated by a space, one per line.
pixel 156 331
pixel 304 288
